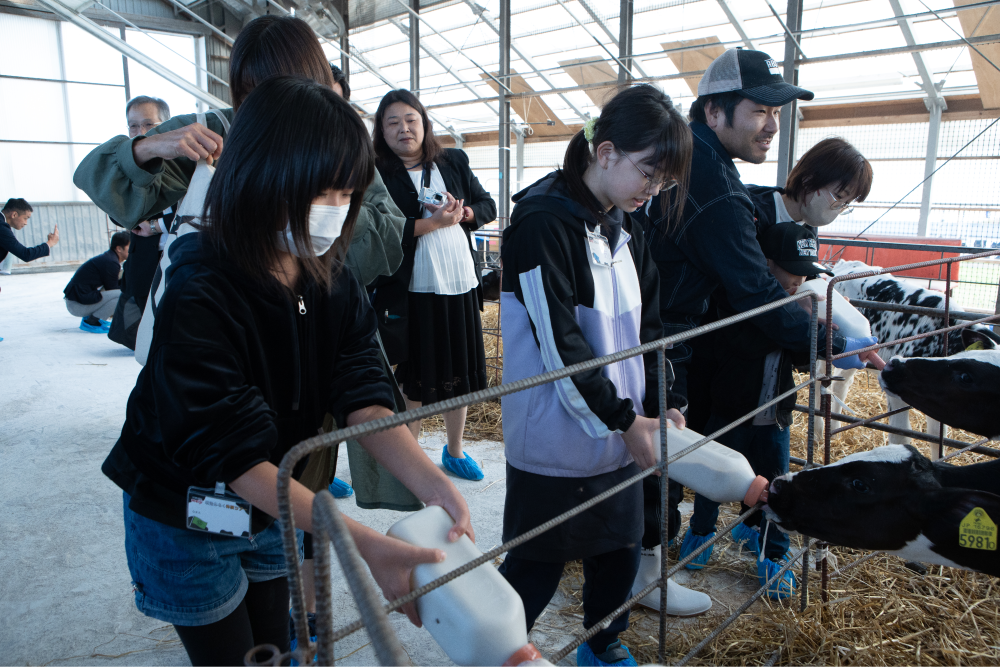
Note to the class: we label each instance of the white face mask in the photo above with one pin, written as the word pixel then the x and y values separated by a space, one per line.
pixel 818 212
pixel 325 225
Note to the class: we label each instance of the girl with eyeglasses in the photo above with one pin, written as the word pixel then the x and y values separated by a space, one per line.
pixel 579 283
pixel 824 183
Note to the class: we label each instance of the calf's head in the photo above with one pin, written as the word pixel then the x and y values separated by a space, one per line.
pixel 868 500
pixel 891 499
pixel 962 390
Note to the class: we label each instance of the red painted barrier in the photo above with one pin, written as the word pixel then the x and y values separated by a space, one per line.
pixel 892 257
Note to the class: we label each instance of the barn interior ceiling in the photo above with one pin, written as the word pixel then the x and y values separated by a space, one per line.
pixel 870 61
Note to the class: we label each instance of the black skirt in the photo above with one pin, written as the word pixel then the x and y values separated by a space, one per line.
pixel 533 499
pixel 446 356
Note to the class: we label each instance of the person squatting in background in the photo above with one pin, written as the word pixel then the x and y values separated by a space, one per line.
pixel 429 310
pixel 755 371
pixel 92 293
pixel 579 283
pixel 142 114
pixel 261 334
pixel 713 253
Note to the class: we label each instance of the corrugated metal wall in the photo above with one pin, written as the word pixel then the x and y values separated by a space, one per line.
pixel 218 64
pixel 84 231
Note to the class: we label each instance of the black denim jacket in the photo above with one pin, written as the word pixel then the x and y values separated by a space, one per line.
pixel 715 249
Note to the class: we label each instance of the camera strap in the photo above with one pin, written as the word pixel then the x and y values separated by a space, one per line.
pixel 426 178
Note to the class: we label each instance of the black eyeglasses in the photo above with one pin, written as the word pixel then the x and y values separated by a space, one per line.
pixel 651 185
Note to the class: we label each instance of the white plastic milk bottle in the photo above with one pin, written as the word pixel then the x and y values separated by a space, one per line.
pixel 478 618
pixel 848 318
pixel 713 470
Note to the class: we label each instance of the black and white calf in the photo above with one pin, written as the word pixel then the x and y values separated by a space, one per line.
pixel 889 326
pixel 962 390
pixel 896 500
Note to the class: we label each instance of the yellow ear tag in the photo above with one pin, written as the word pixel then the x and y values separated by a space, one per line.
pixel 977 531
pixel 978 345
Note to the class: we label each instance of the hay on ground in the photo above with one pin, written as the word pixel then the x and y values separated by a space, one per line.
pixel 879 613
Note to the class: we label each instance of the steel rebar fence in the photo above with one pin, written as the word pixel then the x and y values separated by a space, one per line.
pixel 868 420
pixel 916 310
pixel 659 583
pixel 304 448
pixel 970 448
pixel 830 357
pixel 329 526
pixel 555 521
pixel 722 627
pixel 949 442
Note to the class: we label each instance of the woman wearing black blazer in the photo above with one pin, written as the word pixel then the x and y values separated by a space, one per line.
pixel 429 309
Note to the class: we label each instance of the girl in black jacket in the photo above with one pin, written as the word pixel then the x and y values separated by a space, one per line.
pixel 429 310
pixel 259 334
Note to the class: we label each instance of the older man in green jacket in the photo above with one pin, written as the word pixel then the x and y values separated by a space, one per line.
pixel 132 183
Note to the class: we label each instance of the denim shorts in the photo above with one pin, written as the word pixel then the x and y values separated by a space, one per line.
pixel 186 577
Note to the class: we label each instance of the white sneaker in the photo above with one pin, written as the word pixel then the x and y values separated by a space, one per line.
pixel 681 601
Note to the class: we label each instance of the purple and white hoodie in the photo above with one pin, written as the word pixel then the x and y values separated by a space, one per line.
pixel 569 294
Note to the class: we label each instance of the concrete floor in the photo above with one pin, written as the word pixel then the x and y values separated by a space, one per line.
pixel 65 593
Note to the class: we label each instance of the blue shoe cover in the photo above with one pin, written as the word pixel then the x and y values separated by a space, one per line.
pixel 616 654
pixel 92 328
pixel 750 537
pixel 466 468
pixel 692 542
pixel 781 589
pixel 341 489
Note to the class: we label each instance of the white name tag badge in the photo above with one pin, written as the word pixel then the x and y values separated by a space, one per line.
pixel 600 251
pixel 217 511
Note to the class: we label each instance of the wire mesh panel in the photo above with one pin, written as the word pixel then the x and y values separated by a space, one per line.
pixel 965 203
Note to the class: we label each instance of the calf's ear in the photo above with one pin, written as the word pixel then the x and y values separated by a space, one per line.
pixel 964 526
pixel 976 340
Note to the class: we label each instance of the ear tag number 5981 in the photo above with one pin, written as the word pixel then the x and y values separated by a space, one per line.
pixel 977 531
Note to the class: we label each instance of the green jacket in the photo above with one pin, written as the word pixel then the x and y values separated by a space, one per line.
pixel 130 194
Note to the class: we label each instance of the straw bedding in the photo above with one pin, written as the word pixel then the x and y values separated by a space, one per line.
pixel 879 613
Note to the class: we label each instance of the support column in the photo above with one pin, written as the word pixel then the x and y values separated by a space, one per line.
pixel 201 76
pixel 415 48
pixel 345 45
pixel 504 133
pixel 128 87
pixel 930 162
pixel 520 157
pixel 625 41
pixel 789 127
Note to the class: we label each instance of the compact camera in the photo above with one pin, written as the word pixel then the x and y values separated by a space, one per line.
pixel 431 196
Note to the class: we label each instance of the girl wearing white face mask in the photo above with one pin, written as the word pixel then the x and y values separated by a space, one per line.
pixel 824 183
pixel 263 334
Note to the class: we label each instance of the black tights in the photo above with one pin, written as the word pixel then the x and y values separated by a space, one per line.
pixel 261 618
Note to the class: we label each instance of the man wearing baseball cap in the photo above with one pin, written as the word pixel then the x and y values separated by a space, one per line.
pixel 713 252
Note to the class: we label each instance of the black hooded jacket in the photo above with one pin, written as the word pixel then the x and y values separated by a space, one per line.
pixel 239 373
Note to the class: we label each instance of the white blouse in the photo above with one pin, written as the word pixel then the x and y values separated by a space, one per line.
pixel 442 262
